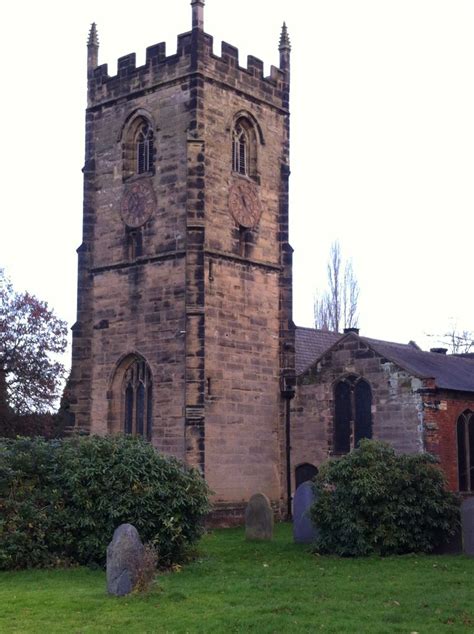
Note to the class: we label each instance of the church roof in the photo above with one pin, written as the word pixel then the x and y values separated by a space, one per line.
pixel 450 372
pixel 310 344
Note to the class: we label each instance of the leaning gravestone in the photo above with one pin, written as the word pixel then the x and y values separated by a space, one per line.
pixel 259 518
pixel 304 532
pixel 124 560
pixel 467 522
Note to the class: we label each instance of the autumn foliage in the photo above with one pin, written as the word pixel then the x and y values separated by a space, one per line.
pixel 31 339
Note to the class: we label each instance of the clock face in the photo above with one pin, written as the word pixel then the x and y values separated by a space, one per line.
pixel 138 203
pixel 244 203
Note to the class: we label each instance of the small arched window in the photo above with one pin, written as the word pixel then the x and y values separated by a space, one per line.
pixel 137 399
pixel 465 443
pixel 352 413
pixel 244 148
pixel 138 147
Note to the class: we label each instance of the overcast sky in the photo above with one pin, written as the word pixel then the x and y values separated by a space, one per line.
pixel 382 141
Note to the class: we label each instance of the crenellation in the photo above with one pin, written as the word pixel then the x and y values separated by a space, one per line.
pixel 126 64
pixel 194 55
pixel 255 66
pixel 155 54
pixel 229 54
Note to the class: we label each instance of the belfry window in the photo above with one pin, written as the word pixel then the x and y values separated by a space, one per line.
pixel 244 148
pixel 352 413
pixel 144 149
pixel 465 443
pixel 138 148
pixel 137 399
pixel 240 150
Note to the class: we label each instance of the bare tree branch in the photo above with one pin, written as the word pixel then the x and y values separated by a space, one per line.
pixel 456 341
pixel 336 307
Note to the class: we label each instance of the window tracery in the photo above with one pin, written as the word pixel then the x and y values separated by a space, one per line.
pixel 244 148
pixel 138 148
pixel 144 148
pixel 352 413
pixel 465 445
pixel 137 399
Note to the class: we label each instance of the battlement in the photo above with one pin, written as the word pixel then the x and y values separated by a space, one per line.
pixel 194 54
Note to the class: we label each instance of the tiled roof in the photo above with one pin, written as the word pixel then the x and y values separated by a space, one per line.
pixel 451 372
pixel 310 344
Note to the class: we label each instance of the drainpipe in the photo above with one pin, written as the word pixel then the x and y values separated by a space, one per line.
pixel 288 392
pixel 288 458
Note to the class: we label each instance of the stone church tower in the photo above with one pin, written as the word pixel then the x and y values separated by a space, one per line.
pixel 184 331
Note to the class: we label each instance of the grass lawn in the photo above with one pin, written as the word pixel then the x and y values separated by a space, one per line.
pixel 236 586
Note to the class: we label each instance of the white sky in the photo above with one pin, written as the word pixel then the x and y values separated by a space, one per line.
pixel 382 142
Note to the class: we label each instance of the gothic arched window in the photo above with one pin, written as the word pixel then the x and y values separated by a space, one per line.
pixel 465 443
pixel 352 413
pixel 137 399
pixel 138 147
pixel 144 148
pixel 244 148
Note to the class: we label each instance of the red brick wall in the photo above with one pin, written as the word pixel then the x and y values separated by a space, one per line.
pixel 441 412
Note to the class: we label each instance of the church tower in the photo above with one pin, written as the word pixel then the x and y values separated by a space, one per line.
pixel 184 331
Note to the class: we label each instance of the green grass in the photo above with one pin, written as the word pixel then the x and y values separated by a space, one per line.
pixel 236 586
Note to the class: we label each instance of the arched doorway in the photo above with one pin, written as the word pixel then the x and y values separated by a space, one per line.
pixel 304 472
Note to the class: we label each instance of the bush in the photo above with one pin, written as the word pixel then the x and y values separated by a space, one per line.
pixel 376 501
pixel 60 501
pixel 44 425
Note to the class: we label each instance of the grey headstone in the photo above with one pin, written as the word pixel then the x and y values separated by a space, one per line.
pixel 259 518
pixel 467 522
pixel 303 530
pixel 124 560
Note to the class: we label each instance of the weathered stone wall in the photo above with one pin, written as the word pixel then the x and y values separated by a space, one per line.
pixel 244 286
pixel 144 307
pixel 397 411
pixel 242 363
pixel 212 319
pixel 134 304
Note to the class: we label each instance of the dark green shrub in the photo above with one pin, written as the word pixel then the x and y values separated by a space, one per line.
pixel 376 501
pixel 28 497
pixel 61 500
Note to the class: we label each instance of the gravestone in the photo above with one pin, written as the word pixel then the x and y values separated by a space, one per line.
pixel 124 560
pixel 467 522
pixel 259 518
pixel 304 532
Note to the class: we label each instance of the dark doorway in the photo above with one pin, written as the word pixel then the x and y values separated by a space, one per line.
pixel 304 472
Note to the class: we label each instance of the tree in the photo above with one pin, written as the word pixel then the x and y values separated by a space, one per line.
pixel 31 338
pixel 457 341
pixel 336 307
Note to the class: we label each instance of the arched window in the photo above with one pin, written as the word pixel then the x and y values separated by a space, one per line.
pixel 138 147
pixel 137 399
pixel 465 443
pixel 362 411
pixel 144 148
pixel 244 148
pixel 342 417
pixel 352 413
